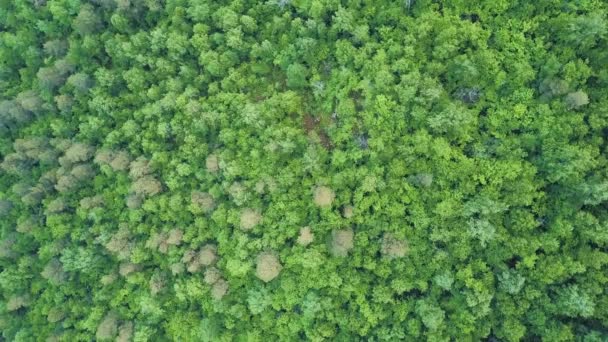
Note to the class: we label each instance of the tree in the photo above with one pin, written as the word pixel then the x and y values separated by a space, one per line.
pixel 119 244
pixel 268 267
pixel 17 302
pixel 77 152
pixel 55 47
pixel 108 328
pixel 175 237
pixel 80 81
pixel 82 171
pixel 219 289
pixel 30 101
pixel 574 302
pixel 139 167
pixel 431 315
pixel 126 268
pixel 306 237
pixel 87 21
pixel 212 275
pixel 50 77
pixel 482 230
pixel 33 196
pixel 157 283
pixel 125 332
pixel 55 315
pixel 64 102
pixel 258 299
pixel 54 273
pixel 313 170
pixel 511 281
pixel 146 186
pixel 577 99
pixel 250 218
pixel 393 247
pixel 5 207
pixel 207 255
pixel 341 242
pixel 202 202
pixel 323 196
pixel 444 280
pixel 66 183
pixel 120 161
pixel 296 76
pixel 586 31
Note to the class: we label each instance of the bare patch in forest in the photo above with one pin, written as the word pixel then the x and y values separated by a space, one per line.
pixel 314 126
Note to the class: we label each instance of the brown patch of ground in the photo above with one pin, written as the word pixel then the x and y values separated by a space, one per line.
pixel 315 125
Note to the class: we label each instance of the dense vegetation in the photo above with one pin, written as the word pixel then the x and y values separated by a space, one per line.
pixel 308 169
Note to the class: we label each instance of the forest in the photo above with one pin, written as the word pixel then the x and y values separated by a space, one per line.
pixel 303 170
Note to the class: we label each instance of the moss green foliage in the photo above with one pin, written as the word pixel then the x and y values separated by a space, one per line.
pixel 325 170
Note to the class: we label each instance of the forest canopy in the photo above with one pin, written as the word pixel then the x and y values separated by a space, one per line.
pixel 324 170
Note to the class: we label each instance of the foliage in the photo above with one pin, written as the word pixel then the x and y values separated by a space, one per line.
pixel 303 170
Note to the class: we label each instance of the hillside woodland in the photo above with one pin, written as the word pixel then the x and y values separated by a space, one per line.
pixel 324 170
